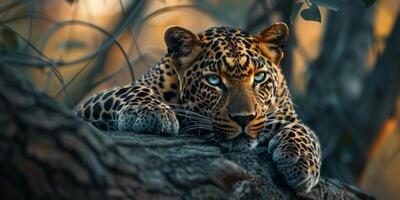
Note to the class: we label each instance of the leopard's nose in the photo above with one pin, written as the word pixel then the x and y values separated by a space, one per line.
pixel 242 119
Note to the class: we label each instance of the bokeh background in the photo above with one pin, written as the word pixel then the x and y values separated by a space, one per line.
pixel 342 63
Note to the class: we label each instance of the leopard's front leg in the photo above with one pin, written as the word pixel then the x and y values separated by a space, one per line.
pixel 131 108
pixel 148 115
pixel 296 152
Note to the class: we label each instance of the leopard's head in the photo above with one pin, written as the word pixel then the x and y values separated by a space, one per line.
pixel 230 76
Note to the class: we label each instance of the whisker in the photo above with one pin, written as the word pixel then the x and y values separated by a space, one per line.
pixel 186 129
pixel 195 119
pixel 269 122
pixel 220 129
pixel 214 137
pixel 185 111
pixel 197 126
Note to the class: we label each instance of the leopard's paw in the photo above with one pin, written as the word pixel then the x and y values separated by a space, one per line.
pixel 299 166
pixel 154 119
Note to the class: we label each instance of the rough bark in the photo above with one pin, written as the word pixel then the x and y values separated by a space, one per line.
pixel 47 153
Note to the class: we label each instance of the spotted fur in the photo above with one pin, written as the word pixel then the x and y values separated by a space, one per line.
pixel 224 80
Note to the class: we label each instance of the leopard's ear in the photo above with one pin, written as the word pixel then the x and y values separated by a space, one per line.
pixel 183 47
pixel 272 41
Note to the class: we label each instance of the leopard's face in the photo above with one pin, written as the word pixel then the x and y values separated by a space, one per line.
pixel 233 82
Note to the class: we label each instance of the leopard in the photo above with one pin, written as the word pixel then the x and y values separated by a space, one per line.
pixel 225 82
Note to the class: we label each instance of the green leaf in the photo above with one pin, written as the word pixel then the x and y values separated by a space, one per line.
pixel 295 11
pixel 9 40
pixel 368 3
pixel 72 44
pixel 330 4
pixel 311 14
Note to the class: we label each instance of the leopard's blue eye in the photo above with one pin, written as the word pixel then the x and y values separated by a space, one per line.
pixel 213 80
pixel 260 77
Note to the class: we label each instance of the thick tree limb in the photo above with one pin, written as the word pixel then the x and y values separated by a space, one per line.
pixel 46 153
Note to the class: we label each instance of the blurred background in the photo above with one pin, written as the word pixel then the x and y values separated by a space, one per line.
pixel 342 63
